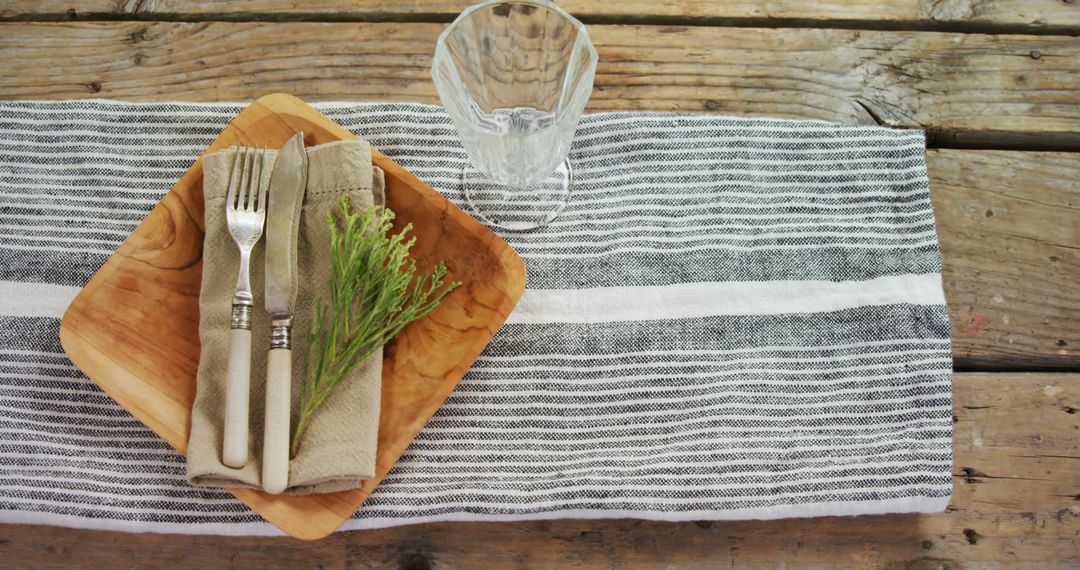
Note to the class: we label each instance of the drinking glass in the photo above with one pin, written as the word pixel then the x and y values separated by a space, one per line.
pixel 514 77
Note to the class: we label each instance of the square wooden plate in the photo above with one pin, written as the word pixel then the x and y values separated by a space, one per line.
pixel 134 328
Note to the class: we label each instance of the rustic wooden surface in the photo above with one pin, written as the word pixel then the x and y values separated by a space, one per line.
pixel 1015 505
pixel 939 81
pixel 146 360
pixel 977 75
pixel 1031 15
pixel 1009 228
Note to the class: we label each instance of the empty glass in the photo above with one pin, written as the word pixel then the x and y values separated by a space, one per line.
pixel 514 77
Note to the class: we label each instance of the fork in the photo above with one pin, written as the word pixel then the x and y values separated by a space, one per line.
pixel 245 213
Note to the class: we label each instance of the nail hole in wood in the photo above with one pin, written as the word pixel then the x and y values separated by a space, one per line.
pixel 971 536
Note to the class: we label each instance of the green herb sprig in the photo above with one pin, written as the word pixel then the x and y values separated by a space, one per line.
pixel 373 293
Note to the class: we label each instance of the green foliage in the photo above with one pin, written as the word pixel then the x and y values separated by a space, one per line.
pixel 373 293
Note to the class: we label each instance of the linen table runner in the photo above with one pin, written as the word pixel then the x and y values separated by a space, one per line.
pixel 733 318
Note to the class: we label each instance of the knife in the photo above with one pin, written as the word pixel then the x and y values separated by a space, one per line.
pixel 282 222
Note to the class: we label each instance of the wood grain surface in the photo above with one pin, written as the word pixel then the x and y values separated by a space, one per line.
pixel 1009 228
pixel 146 359
pixel 1015 505
pixel 913 79
pixel 1027 14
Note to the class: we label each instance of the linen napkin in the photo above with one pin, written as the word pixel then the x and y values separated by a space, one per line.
pixel 338 450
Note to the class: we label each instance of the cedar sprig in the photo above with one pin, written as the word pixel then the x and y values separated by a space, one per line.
pixel 373 293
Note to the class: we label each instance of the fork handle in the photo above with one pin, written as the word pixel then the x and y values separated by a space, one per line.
pixel 238 390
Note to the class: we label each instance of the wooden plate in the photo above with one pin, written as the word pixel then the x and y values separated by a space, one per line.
pixel 134 328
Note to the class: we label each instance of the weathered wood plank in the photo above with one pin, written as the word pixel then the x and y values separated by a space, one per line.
pixel 1024 14
pixel 1016 504
pixel 934 80
pixel 1009 228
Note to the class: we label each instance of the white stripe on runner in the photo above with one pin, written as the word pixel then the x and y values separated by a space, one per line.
pixel 916 504
pixel 182 489
pixel 104 460
pixel 722 365
pixel 23 364
pixel 88 219
pixel 54 434
pixel 688 437
pixel 820 218
pixel 558 510
pixel 714 414
pixel 86 165
pixel 631 454
pixel 120 419
pixel 717 238
pixel 123 123
pixel 19 299
pixel 19 247
pixel 32 353
pixel 81 447
pixel 717 471
pixel 669 426
pixel 60 230
pixel 744 150
pixel 708 195
pixel 55 401
pixel 705 352
pixel 124 110
pixel 451 412
pixel 713 140
pixel 672 166
pixel 802 246
pixel 115 242
pixel 695 300
pixel 562 503
pixel 629 486
pixel 667 394
pixel 135 427
pixel 97 472
pixel 651 231
pixel 74 378
pixel 79 208
pixel 865 205
pixel 140 524
pixel 191 503
pixel 740 379
pixel 176 152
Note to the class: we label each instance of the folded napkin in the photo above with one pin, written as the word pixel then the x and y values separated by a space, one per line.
pixel 338 450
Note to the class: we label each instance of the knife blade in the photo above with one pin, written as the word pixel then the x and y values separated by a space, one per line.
pixel 287 185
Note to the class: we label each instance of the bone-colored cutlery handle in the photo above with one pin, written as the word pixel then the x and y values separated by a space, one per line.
pixel 275 461
pixel 237 400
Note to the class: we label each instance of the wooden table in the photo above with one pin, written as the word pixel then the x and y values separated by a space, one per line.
pixel 995 84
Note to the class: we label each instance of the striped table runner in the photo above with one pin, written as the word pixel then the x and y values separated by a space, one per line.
pixel 732 319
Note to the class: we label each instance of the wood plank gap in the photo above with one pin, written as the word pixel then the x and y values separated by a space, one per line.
pixel 937 137
pixel 1013 365
pixel 599 20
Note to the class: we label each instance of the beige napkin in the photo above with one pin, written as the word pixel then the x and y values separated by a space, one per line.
pixel 338 450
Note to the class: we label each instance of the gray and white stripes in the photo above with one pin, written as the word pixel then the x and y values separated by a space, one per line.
pixel 732 319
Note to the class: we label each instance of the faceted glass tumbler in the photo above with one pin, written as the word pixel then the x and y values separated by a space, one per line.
pixel 514 77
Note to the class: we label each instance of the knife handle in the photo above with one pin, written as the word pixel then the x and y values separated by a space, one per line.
pixel 275 467
pixel 234 451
